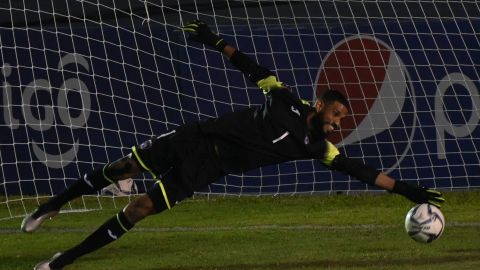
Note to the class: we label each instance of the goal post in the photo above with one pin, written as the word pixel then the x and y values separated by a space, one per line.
pixel 83 81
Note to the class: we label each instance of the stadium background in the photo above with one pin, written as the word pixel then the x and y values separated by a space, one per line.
pixel 139 80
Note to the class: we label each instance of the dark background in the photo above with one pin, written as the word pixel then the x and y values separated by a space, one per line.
pixel 144 79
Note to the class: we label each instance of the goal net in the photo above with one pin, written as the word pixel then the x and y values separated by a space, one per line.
pixel 83 81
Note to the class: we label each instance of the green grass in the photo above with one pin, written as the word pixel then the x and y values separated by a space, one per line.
pixel 281 233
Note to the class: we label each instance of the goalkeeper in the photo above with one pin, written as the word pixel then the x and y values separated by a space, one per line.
pixel 191 157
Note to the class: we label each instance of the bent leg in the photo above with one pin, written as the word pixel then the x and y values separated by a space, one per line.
pixel 139 209
pixel 156 200
pixel 124 168
pixel 110 231
pixel 121 169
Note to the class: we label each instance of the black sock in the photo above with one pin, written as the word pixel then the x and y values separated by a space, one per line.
pixel 107 233
pixel 55 203
pixel 88 184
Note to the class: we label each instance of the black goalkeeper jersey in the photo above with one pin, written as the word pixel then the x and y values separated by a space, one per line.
pixel 195 155
pixel 273 133
pixel 270 134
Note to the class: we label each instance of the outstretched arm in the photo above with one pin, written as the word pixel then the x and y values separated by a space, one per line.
pixel 378 178
pixel 414 194
pixel 367 174
pixel 263 77
pixel 229 50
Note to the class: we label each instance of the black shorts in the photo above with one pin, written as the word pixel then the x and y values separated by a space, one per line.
pixel 184 161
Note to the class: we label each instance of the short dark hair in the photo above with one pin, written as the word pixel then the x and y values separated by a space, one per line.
pixel 332 95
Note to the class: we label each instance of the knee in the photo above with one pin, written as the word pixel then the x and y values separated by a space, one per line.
pixel 123 168
pixel 139 208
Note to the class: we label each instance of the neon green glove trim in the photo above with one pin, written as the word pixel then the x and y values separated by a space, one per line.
pixel 218 42
pixel 269 84
pixel 187 29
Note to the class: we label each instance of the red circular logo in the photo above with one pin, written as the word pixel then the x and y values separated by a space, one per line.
pixel 375 81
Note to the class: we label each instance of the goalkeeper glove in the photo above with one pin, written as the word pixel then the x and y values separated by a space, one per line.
pixel 199 31
pixel 418 194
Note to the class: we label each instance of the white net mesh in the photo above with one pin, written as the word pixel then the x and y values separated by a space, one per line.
pixel 86 80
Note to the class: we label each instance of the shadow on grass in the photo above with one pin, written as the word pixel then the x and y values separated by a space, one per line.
pixel 332 264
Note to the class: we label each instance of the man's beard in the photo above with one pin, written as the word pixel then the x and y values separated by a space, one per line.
pixel 315 127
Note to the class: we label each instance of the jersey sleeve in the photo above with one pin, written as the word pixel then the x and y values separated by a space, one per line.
pixel 330 154
pixel 262 76
pixel 353 167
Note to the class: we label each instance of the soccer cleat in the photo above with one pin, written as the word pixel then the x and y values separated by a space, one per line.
pixel 32 221
pixel 45 265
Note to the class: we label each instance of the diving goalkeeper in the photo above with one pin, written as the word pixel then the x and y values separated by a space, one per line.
pixel 194 155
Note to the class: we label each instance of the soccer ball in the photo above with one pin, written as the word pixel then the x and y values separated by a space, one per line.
pixel 424 223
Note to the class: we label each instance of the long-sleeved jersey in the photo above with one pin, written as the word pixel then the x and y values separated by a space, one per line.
pixel 272 133
pixel 275 132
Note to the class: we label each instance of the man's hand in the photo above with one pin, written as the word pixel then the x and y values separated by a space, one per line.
pixel 419 194
pixel 199 31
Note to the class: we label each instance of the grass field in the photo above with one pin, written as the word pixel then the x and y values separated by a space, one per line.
pixel 282 233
